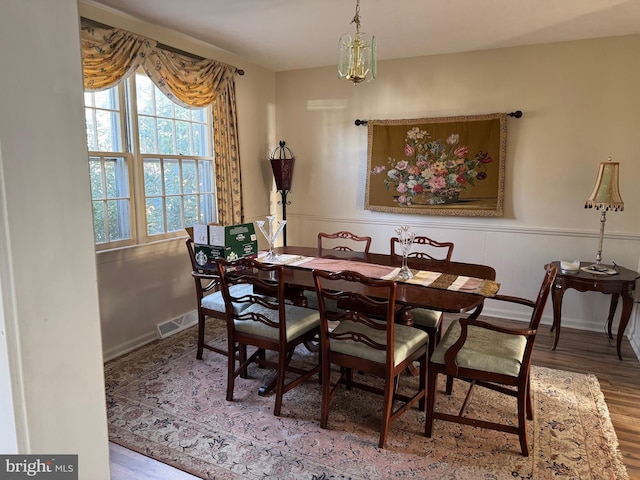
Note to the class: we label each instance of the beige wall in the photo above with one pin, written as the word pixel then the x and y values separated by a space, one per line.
pixel 50 327
pixel 143 286
pixel 581 104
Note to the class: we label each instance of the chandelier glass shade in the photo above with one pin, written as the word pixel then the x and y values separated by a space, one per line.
pixel 357 54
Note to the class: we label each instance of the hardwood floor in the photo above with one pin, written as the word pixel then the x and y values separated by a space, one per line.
pixel 577 351
pixel 129 465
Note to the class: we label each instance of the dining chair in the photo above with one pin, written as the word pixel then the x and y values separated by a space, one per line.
pixel 344 241
pixel 209 298
pixel 359 343
pixel 490 356
pixel 426 319
pixel 265 322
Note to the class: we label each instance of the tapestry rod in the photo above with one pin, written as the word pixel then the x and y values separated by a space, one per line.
pixel 516 114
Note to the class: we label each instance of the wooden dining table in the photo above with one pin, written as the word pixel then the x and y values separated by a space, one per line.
pixel 299 280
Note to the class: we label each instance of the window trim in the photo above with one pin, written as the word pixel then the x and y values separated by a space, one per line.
pixel 130 143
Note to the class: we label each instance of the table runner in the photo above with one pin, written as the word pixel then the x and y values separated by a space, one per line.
pixel 445 281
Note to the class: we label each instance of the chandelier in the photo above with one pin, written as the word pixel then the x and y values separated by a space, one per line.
pixel 357 54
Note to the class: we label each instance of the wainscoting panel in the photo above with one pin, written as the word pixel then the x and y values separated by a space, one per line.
pixel 517 254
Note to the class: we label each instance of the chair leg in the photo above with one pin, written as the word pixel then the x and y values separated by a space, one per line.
pixel 242 356
pixel 522 423
pixel 389 390
pixel 283 360
pixel 449 387
pixel 432 377
pixel 201 320
pixel 349 378
pixel 326 393
pixel 434 338
pixel 231 370
pixel 422 382
pixel 529 405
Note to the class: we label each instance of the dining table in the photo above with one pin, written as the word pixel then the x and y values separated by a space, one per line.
pixel 299 278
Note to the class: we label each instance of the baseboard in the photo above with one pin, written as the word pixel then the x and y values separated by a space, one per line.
pixel 182 322
pixel 129 345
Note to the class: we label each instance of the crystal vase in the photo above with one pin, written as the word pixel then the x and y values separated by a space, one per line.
pixel 406 242
pixel 271 235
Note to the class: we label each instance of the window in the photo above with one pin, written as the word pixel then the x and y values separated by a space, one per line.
pixel 149 159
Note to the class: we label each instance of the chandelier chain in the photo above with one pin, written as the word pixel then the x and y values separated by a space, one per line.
pixel 356 18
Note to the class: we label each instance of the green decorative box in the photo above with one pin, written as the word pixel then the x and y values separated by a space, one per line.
pixel 230 242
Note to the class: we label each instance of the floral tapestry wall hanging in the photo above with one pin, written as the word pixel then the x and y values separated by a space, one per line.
pixel 437 166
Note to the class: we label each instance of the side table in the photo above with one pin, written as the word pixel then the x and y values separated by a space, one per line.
pixel 620 285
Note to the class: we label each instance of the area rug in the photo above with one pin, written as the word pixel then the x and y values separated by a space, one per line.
pixel 167 405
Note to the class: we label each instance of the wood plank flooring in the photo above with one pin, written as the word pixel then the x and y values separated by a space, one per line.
pixel 577 351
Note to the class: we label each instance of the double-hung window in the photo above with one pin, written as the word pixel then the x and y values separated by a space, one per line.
pixel 151 164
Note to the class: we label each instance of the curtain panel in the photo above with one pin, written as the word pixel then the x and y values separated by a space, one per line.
pixel 110 55
pixel 225 140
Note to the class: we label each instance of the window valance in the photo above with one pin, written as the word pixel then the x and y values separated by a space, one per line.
pixel 110 55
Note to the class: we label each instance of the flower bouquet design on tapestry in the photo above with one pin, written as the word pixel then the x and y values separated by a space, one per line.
pixel 437 166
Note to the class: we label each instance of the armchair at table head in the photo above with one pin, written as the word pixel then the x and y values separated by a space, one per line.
pixel 423 318
pixel 490 356
pixel 265 322
pixel 361 343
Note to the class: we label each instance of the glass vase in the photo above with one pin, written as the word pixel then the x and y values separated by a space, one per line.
pixel 406 242
pixel 271 235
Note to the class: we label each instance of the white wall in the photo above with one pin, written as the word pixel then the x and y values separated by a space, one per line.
pixel 49 292
pixel 580 103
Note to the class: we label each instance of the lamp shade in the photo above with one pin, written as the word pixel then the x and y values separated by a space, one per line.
pixel 606 192
pixel 282 160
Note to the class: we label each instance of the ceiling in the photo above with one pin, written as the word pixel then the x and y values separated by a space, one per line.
pixel 293 34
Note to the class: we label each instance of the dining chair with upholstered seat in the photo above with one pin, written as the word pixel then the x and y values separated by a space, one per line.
pixel 344 241
pixel 210 303
pixel 265 322
pixel 490 356
pixel 424 318
pixel 369 346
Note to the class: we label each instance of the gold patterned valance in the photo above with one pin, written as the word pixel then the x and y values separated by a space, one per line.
pixel 110 55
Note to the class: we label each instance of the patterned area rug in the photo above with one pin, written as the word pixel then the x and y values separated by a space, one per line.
pixel 165 404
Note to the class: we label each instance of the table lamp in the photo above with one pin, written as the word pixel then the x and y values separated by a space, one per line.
pixel 605 197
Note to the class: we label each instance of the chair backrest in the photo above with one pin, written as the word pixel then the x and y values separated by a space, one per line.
pixel 345 241
pixel 192 255
pixel 547 282
pixel 363 295
pixel 545 288
pixel 430 249
pixel 265 303
pixel 206 282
